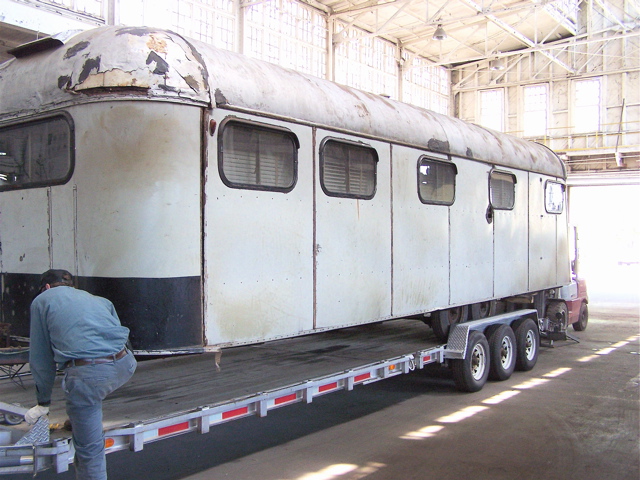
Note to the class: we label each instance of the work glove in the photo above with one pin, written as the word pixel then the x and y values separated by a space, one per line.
pixel 33 414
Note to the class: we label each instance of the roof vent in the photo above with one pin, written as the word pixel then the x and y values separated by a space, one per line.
pixel 42 44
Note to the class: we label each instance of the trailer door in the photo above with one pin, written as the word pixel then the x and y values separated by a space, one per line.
pixel 511 232
pixel 543 248
pixel 258 228
pixel 471 236
pixel 353 231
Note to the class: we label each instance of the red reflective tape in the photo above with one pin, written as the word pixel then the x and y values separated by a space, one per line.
pixel 235 413
pixel 360 378
pixel 285 399
pixel 328 386
pixel 426 358
pixel 178 427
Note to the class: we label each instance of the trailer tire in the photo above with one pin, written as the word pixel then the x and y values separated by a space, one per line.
pixel 583 319
pixel 10 419
pixel 527 344
pixel 442 320
pixel 502 351
pixel 483 309
pixel 471 373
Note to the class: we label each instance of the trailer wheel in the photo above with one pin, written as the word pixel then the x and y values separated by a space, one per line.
pixel 483 309
pixel 10 419
pixel 527 343
pixel 442 320
pixel 583 319
pixel 502 351
pixel 471 373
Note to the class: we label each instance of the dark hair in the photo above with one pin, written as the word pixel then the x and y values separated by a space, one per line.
pixel 56 278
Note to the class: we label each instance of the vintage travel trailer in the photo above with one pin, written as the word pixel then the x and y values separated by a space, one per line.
pixel 219 200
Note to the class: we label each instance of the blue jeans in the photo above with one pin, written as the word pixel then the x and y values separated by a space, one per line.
pixel 84 389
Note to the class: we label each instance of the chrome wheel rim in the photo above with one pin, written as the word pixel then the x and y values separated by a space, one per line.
pixel 530 345
pixel 478 362
pixel 506 352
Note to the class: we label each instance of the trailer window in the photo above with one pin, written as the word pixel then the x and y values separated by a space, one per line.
pixel 257 157
pixel 436 182
pixel 348 169
pixel 554 197
pixel 36 154
pixel 502 190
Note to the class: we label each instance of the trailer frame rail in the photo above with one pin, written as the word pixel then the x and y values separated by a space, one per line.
pixel 59 453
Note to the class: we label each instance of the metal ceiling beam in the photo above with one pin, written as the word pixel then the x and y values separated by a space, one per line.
pixel 519 36
pixel 559 45
pixel 404 5
pixel 526 5
pixel 368 6
pixel 610 15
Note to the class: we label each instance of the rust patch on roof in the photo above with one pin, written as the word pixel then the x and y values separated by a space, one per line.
pixel 157 44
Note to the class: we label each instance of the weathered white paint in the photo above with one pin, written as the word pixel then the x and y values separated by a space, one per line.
pixel 164 65
pixel 273 264
pixel 420 241
pixel 353 245
pixel 542 238
pixel 138 179
pixel 511 242
pixel 471 236
pixel 24 235
pixel 258 248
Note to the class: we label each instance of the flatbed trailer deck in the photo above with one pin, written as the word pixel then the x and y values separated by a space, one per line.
pixel 171 396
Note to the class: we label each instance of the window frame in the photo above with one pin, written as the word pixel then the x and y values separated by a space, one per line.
pixel 263 127
pixel 441 162
pixel 564 199
pixel 515 181
pixel 527 112
pixel 351 143
pixel 66 117
pixel 578 108
pixel 482 108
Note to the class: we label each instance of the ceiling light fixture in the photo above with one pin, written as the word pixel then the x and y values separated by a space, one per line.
pixel 439 34
pixel 497 64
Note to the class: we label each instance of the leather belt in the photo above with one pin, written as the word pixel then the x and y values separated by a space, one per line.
pixel 78 362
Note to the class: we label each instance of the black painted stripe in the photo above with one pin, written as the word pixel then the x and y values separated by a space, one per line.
pixel 162 313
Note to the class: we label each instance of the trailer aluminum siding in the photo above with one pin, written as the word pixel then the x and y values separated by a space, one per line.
pixel 192 263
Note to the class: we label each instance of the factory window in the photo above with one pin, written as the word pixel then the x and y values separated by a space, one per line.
pixel 36 154
pixel 424 85
pixel 492 109
pixel 535 110
pixel 502 190
pixel 287 33
pixel 211 21
pixel 348 169
pixel 256 156
pixel 554 197
pixel 365 62
pixel 436 181
pixel 586 109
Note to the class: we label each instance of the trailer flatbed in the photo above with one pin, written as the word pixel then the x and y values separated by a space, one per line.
pixel 163 386
pixel 176 395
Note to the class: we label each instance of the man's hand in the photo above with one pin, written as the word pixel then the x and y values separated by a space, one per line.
pixel 33 414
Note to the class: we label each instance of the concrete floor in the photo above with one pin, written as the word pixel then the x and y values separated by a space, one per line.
pixel 575 416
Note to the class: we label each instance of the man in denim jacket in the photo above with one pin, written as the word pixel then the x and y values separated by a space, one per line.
pixel 80 333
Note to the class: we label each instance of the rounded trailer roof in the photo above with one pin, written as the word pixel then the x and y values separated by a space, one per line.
pixel 146 63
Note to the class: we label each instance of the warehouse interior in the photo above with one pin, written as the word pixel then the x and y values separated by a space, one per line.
pixel 562 73
pixel 565 73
